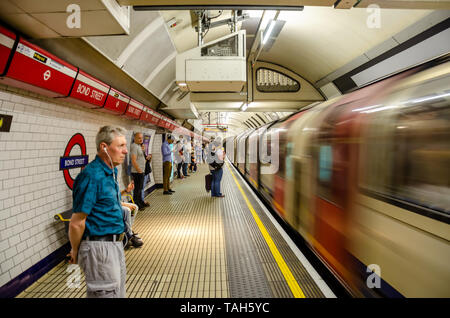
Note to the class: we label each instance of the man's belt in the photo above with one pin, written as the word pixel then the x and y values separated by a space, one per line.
pixel 106 238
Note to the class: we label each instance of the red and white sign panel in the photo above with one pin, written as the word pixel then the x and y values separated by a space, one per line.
pixel 174 125
pixel 116 102
pixel 7 39
pixel 134 109
pixel 36 70
pixel 147 115
pixel 89 91
pixel 155 117
pixel 162 121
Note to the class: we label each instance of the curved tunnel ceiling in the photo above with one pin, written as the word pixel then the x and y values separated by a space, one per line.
pixel 313 43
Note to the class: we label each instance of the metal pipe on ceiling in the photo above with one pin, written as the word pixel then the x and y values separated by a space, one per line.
pixel 216 7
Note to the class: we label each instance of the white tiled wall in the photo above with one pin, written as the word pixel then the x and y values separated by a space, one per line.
pixel 32 188
pixel 157 165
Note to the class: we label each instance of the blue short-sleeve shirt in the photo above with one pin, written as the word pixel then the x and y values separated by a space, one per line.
pixel 96 193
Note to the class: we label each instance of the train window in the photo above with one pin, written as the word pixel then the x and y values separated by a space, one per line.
pixel 325 162
pixel 289 165
pixel 407 156
pixel 422 159
pixel 270 81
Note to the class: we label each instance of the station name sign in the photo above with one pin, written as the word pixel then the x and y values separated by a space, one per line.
pixel 73 162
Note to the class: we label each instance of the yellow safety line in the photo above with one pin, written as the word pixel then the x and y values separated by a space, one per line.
pixel 293 285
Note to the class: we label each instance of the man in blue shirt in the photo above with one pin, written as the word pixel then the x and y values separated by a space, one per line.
pixel 167 164
pixel 96 227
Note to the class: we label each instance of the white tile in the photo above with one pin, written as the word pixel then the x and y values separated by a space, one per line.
pixel 19 258
pixel 4 278
pixel 8 203
pixel 4 245
pixel 11 221
pixel 10 252
pixel 15 271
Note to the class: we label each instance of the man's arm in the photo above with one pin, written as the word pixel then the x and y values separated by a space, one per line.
pixel 134 163
pixel 76 229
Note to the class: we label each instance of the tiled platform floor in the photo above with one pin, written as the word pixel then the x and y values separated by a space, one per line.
pixel 185 253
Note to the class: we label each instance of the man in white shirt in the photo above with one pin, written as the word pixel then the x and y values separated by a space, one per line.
pixel 137 169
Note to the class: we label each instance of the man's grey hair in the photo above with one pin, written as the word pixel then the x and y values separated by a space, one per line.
pixel 107 134
pixel 217 142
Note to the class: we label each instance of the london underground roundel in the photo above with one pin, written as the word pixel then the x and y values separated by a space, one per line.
pixel 68 162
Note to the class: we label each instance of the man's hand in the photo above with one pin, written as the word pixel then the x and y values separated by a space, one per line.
pixel 77 226
pixel 130 187
pixel 130 206
pixel 73 255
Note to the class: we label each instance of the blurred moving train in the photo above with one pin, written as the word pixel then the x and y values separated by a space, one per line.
pixel 365 180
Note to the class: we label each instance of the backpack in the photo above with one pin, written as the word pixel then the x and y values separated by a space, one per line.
pixel 214 164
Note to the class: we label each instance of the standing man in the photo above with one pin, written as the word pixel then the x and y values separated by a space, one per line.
pixel 137 169
pixel 198 153
pixel 215 161
pixel 187 157
pixel 96 227
pixel 167 164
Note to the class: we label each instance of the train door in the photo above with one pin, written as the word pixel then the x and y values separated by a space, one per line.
pixel 265 177
pixel 303 217
pixel 242 148
pixel 240 156
pixel 285 149
pixel 331 162
pixel 253 157
pixel 248 154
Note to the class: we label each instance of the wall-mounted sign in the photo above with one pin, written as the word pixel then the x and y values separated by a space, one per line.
pixel 5 122
pixel 73 162
pixel 67 161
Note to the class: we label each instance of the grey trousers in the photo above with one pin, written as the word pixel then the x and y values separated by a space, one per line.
pixel 103 264
pixel 128 219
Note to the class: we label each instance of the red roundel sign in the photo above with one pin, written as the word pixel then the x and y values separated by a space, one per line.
pixel 67 161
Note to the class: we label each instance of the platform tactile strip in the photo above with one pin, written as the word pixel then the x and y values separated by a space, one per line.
pixel 273 274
